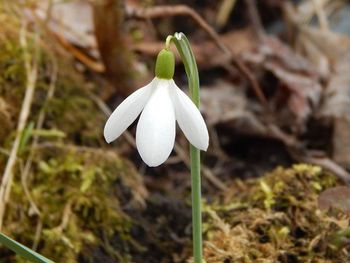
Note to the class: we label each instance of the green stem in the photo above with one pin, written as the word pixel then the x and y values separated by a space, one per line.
pixel 167 42
pixel 196 204
pixel 187 56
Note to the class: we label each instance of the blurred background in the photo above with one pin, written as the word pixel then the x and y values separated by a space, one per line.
pixel 275 94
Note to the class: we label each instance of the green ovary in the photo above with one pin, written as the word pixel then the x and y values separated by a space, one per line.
pixel 165 64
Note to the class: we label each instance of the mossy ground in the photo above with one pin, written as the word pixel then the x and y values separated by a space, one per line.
pixel 70 204
pixel 275 218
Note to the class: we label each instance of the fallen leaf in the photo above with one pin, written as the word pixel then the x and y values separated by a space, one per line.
pixel 336 197
pixel 226 103
pixel 336 102
pixel 70 19
pixel 299 79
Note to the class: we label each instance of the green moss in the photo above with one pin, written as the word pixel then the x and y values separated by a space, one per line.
pixel 76 193
pixel 78 187
pixel 74 113
pixel 278 220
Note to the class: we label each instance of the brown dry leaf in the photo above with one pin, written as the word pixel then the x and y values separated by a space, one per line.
pixel 336 105
pixel 224 102
pixel 305 91
pixel 336 197
pixel 317 57
pixel 294 72
pixel 71 20
pixel 71 24
pixel 329 52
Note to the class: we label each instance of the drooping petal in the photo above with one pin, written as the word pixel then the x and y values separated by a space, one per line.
pixel 127 112
pixel 155 134
pixel 190 119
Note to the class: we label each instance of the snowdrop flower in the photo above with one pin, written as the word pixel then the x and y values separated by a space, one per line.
pixel 161 103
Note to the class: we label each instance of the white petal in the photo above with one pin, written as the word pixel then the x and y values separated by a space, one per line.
pixel 155 134
pixel 127 112
pixel 190 119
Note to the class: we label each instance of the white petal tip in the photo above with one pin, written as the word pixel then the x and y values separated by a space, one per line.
pixel 153 159
pixel 203 147
pixel 107 137
pixel 153 162
pixel 108 141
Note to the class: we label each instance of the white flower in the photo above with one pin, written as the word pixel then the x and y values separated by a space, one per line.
pixel 162 103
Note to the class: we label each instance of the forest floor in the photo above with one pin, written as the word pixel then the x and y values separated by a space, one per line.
pixel 275 93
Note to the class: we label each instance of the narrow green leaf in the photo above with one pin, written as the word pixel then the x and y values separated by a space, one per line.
pixel 23 250
pixel 184 48
pixel 26 134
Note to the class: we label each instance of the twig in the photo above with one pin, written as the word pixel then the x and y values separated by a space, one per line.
pixel 321 15
pixel 208 174
pixel 251 78
pixel 289 140
pixel 260 34
pixel 224 12
pixel 41 119
pixel 87 61
pixel 107 111
pixel 67 211
pixel 31 72
pixel 179 10
pixel 183 10
pixel 28 164
pixel 255 19
pixel 39 228
pixel 330 165
pixel 39 125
